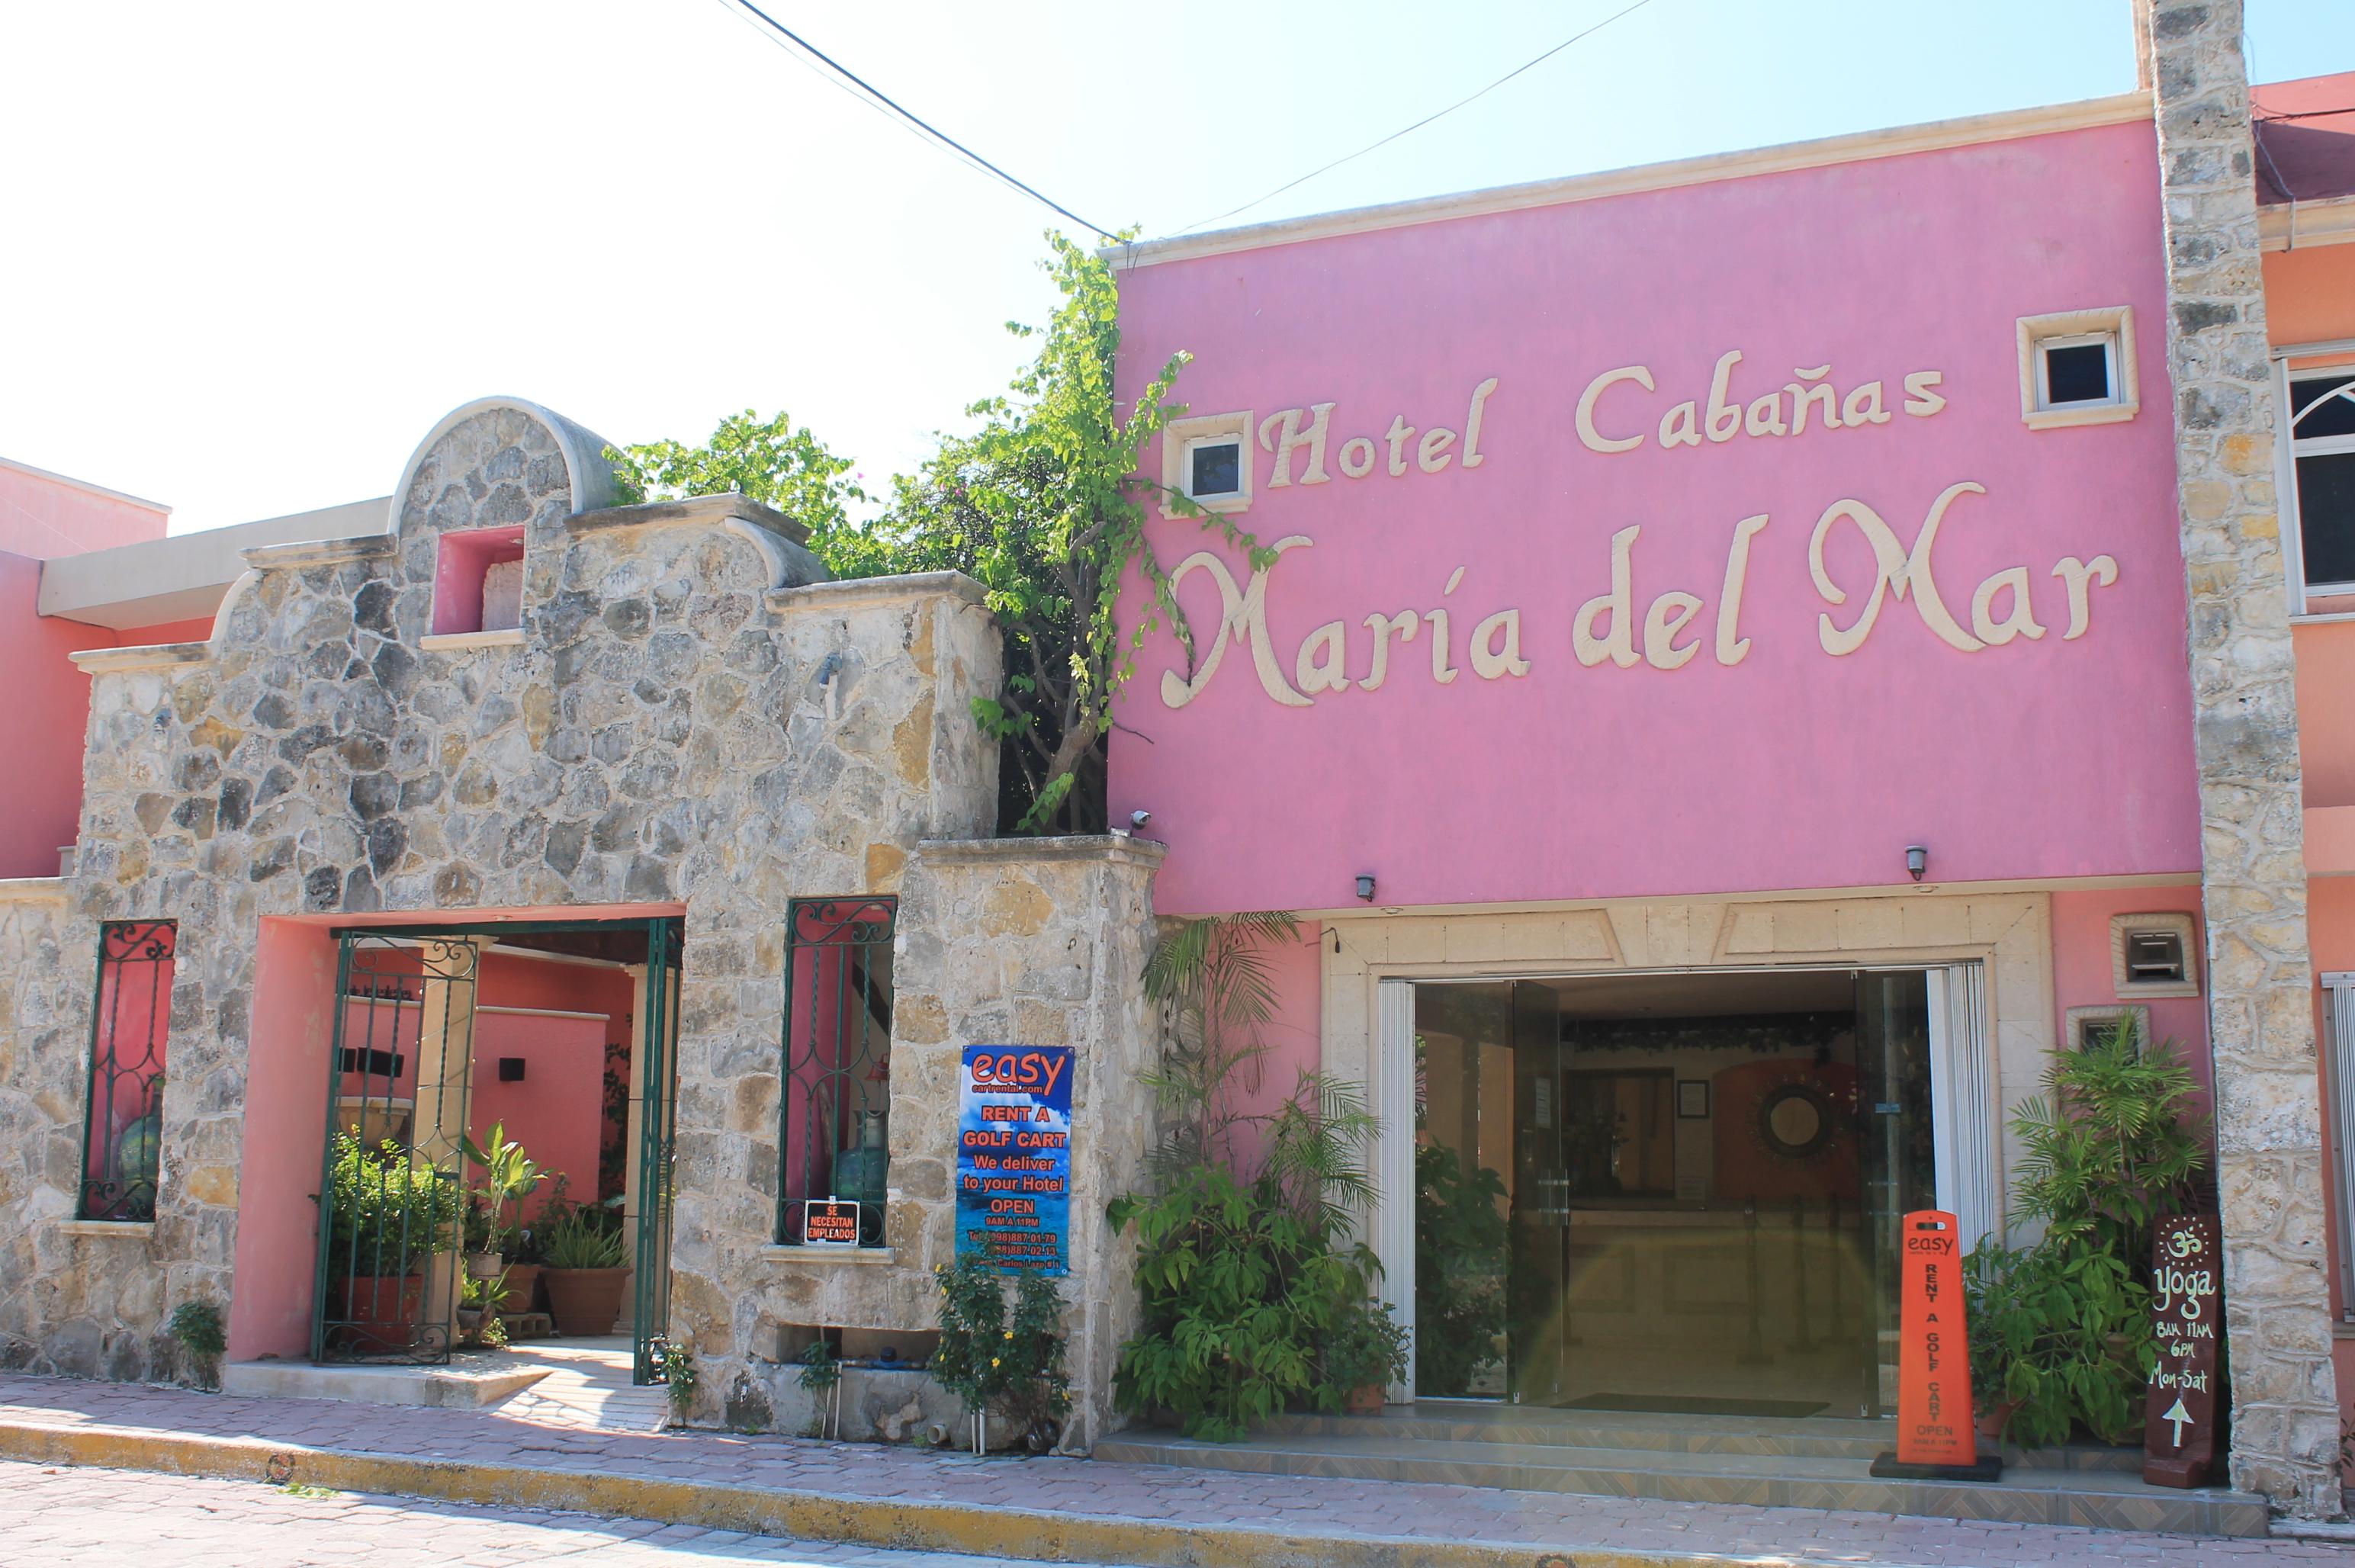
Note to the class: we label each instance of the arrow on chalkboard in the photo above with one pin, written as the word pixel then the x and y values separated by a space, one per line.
pixel 2180 1416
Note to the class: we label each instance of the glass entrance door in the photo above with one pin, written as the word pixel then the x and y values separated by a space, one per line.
pixel 1667 1192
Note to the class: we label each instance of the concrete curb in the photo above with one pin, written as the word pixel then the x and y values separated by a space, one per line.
pixel 1031 1535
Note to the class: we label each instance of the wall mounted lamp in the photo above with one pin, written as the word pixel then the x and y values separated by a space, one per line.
pixel 1917 861
pixel 1139 818
pixel 1366 886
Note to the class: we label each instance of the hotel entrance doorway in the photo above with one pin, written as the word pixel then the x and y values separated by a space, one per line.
pixel 1672 1192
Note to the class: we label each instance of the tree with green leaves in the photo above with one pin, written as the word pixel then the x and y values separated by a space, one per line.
pixel 773 462
pixel 1042 504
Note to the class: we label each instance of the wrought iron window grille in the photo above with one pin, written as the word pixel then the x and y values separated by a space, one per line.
pixel 122 1127
pixel 834 1094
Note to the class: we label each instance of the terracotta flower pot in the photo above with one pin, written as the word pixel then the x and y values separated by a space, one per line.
pixel 523 1288
pixel 585 1301
pixel 1366 1401
pixel 379 1314
pixel 1992 1419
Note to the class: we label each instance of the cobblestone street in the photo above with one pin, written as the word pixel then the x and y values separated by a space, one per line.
pixel 51 1515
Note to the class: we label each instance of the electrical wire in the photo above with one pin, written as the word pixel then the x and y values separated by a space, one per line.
pixel 1419 124
pixel 877 98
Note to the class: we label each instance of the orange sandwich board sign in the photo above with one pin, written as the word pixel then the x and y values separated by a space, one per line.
pixel 1935 1438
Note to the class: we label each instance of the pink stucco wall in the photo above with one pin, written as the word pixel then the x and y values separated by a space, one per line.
pixel 1791 768
pixel 46 715
pixel 44 516
pixel 2083 976
pixel 42 721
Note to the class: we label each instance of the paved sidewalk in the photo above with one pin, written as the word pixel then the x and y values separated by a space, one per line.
pixel 1051 1510
pixel 51 1517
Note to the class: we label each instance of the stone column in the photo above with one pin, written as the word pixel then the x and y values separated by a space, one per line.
pixel 445 1055
pixel 2284 1435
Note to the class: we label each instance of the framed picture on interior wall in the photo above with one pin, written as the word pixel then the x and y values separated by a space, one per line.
pixel 1693 1099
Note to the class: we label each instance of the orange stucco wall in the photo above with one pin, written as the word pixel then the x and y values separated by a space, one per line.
pixel 2310 298
pixel 2310 294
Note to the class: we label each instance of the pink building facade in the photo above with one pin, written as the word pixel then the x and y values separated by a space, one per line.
pixel 1719 655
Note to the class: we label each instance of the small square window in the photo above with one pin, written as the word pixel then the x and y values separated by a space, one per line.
pixel 1214 469
pixel 2153 955
pixel 478 581
pixel 1206 460
pixel 2077 368
pixel 2089 1026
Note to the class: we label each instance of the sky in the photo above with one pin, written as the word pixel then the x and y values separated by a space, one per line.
pixel 258 249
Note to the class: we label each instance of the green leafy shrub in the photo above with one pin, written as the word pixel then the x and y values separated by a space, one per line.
pixel 580 1240
pixel 1246 1282
pixel 1460 1245
pixel 197 1326
pixel 1365 1350
pixel 1244 1255
pixel 680 1376
pixel 385 1214
pixel 2061 1329
pixel 993 1363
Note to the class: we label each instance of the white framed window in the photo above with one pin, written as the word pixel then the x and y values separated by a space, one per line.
pixel 2338 1060
pixel 2154 955
pixel 1208 460
pixel 2085 1027
pixel 2316 482
pixel 2077 368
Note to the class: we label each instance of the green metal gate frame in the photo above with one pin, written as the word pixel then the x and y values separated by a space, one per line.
pixel 658 1107
pixel 658 1149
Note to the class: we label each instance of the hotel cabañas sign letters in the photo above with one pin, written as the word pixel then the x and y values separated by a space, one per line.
pixel 1621 410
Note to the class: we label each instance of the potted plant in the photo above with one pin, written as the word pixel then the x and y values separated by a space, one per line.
pixel 586 1270
pixel 2059 1330
pixel 1364 1354
pixel 385 1216
pixel 509 1176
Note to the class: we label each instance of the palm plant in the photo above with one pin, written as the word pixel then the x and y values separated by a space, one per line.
pixel 511 1175
pixel 1213 976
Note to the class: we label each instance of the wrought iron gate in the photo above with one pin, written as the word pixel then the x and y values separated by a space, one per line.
pixel 392 1182
pixel 658 1125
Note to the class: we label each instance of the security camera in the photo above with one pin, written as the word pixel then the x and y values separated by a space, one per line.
pixel 1139 818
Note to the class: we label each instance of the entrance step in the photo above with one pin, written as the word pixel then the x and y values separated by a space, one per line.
pixel 1718 1459
pixel 456 1385
pixel 1827 1437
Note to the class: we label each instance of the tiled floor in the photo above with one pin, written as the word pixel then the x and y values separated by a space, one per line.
pixel 588 1385
pixel 1098 1490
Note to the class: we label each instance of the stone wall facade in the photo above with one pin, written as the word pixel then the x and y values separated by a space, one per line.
pixel 1039 942
pixel 684 720
pixel 2284 1441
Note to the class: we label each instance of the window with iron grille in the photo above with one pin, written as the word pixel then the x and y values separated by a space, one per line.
pixel 834 1094
pixel 123 1130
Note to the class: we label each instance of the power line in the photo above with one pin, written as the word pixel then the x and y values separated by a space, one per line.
pixel 1419 124
pixel 942 137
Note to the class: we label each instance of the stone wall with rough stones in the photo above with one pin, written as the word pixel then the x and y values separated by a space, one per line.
pixel 1020 941
pixel 684 719
pixel 82 1299
pixel 2269 1142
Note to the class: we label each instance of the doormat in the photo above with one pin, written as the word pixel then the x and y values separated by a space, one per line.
pixel 1680 1404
